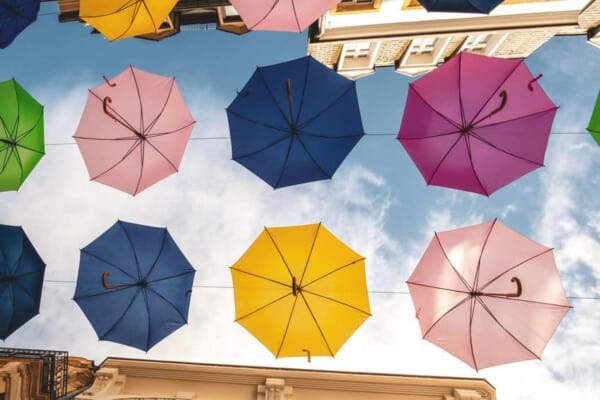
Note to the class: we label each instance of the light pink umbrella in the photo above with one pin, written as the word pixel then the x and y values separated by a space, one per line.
pixel 477 123
pixel 488 295
pixel 281 15
pixel 134 130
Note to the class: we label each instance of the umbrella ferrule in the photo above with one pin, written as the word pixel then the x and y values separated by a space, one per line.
pixel 7 278
pixel 295 287
pixel 9 142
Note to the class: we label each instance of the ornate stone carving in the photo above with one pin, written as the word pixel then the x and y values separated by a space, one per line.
pixel 274 389
pixel 108 381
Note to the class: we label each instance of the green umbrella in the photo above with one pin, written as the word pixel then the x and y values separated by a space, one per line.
pixel 594 126
pixel 21 134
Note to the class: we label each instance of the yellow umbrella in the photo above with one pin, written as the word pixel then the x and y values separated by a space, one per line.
pixel 118 19
pixel 300 291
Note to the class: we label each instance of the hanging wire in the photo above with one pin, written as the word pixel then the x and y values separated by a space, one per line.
pixel 403 292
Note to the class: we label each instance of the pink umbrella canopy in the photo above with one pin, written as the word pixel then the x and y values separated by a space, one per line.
pixel 134 130
pixel 477 123
pixel 488 295
pixel 281 15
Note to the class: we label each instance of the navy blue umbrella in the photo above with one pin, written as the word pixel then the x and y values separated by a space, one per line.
pixel 16 15
pixel 134 285
pixel 21 277
pixel 461 6
pixel 294 122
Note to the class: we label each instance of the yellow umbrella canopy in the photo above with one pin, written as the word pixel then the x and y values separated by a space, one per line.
pixel 300 291
pixel 118 19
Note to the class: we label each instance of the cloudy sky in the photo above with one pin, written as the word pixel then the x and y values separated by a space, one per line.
pixel 377 203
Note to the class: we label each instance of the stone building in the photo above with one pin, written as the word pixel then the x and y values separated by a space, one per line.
pixel 119 378
pixel 359 35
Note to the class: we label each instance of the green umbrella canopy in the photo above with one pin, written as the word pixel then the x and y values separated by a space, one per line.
pixel 594 126
pixel 21 134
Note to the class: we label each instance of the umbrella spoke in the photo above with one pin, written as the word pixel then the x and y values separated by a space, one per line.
pixel 252 153
pixel 160 250
pixel 264 306
pixel 312 247
pixel 481 139
pixel 326 108
pixel 109 263
pixel 129 151
pixel 261 277
pixel 462 279
pixel 313 159
pixel 121 120
pixel 469 152
pixel 332 272
pixel 146 129
pixel 279 252
pixel 335 301
pixel 255 122
pixel 141 128
pixel 460 303
pixel 285 161
pixel 141 169
pixel 317 324
pixel 439 114
pixel 158 134
pixel 287 326
pixel 264 82
pixel 114 325
pixel 319 135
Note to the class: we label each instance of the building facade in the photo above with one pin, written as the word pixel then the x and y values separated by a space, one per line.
pixel 359 35
pixel 119 378
pixel 187 15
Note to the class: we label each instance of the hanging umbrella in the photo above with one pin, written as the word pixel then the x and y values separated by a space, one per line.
pixel 300 291
pixel 21 134
pixel 281 15
pixel 134 285
pixel 477 123
pixel 461 6
pixel 488 295
pixel 15 16
pixel 294 122
pixel 134 130
pixel 118 19
pixel 594 125
pixel 21 277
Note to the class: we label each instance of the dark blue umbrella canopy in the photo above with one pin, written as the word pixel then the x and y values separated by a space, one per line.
pixel 21 278
pixel 134 285
pixel 16 15
pixel 462 6
pixel 294 122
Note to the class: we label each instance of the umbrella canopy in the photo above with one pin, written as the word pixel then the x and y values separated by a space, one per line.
pixel 294 122
pixel 15 16
pixel 21 134
pixel 594 125
pixel 118 19
pixel 477 123
pixel 300 291
pixel 488 295
pixel 134 130
pixel 21 278
pixel 134 285
pixel 461 6
pixel 281 15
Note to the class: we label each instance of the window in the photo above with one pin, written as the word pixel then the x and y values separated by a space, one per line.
pixel 476 42
pixel 357 6
pixel 358 58
pixel 423 55
pixel 483 43
pixel 422 46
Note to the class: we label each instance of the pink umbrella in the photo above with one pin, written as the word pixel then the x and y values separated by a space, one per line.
pixel 281 15
pixel 488 295
pixel 134 130
pixel 477 123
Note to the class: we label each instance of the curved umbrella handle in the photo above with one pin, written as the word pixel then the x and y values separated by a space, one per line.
pixel 107 285
pixel 504 96
pixel 519 288
pixel 105 102
pixel 307 354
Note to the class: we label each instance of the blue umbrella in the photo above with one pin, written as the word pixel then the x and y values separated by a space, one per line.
pixel 294 122
pixel 21 277
pixel 134 285
pixel 461 6
pixel 16 15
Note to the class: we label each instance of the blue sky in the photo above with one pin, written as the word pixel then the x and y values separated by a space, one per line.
pixel 377 202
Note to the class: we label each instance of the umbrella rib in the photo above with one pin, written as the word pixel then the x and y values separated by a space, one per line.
pixel 260 74
pixel 131 149
pixel 498 296
pixel 512 268
pixel 444 117
pixel 263 307
pixel 171 276
pixel 103 293
pixel 462 279
pixel 303 90
pixel 118 10
pixel 118 321
pixel 275 128
pixel 279 252
pixel 437 287
pixel 481 185
pixel 162 110
pixel 183 318
pixel 108 263
pixel 287 326
pixel 320 135
pixel 158 134
pixel 516 118
pixel 437 135
pixel 20 162
pixel 334 271
pixel 139 94
pixel 160 250
pixel 460 102
pixel 260 276
pixel 24 290
pixel 121 119
pixel 296 16
pixel 443 159
pixel 265 16
pixel 317 324
pixel 336 301
pixel 312 247
pixel 517 65
pixel 137 263
pixel 141 172
pixel 313 159
pixel 327 107
pixel 471 312
pixel 463 301
pixel 285 161
pixel 481 139
pixel 487 236
pixel 485 307
pixel 145 294
pixel 136 10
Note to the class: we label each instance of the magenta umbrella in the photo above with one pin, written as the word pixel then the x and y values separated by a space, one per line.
pixel 477 123
pixel 488 295
pixel 134 130
pixel 281 15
